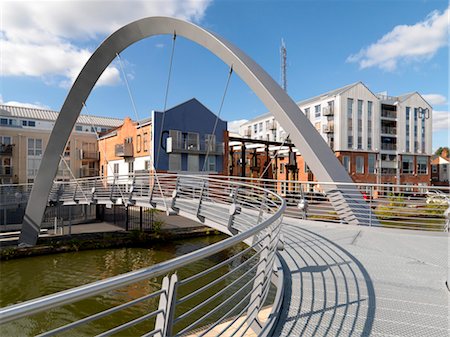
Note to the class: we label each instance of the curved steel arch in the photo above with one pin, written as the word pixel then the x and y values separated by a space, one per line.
pixel 316 152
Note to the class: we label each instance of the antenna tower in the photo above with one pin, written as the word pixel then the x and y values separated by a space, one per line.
pixel 283 56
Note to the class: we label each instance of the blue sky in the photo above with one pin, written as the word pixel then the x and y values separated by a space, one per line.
pixel 398 46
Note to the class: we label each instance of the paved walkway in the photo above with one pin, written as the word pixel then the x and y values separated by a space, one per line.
pixel 361 281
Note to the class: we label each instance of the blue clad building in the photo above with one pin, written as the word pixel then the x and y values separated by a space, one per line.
pixel 188 137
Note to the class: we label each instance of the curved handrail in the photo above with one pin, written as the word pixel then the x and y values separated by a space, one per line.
pixel 267 226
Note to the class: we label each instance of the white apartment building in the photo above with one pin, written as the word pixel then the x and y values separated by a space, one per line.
pixel 24 134
pixel 379 138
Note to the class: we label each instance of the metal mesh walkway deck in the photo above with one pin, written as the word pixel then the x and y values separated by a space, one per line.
pixel 361 281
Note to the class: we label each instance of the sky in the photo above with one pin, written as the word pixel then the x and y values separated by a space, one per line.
pixel 395 46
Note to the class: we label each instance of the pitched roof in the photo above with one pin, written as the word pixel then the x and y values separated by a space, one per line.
pixel 331 93
pixel 50 115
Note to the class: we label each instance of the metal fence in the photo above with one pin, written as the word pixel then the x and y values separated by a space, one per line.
pixel 395 206
pixel 227 297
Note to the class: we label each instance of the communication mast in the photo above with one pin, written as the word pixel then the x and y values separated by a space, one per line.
pixel 283 56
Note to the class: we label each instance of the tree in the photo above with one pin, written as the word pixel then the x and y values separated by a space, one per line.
pixel 443 151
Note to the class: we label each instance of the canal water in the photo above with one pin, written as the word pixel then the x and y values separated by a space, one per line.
pixel 32 277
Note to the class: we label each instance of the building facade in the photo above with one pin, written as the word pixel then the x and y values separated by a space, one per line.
pixel 378 138
pixel 24 134
pixel 440 169
pixel 185 138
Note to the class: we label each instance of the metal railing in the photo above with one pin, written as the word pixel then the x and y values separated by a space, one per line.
pixel 226 297
pixel 394 206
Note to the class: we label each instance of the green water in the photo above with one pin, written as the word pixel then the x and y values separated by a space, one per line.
pixel 32 277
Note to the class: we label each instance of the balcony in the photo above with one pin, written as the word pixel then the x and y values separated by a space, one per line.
pixel 89 155
pixel 247 133
pixel 273 125
pixel 124 150
pixel 388 147
pixel 6 149
pixel 389 130
pixel 202 148
pixel 6 171
pixel 328 111
pixel 328 128
pixel 388 114
pixel 88 172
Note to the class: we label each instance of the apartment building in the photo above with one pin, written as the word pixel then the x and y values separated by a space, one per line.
pixel 24 134
pixel 378 138
pixel 187 137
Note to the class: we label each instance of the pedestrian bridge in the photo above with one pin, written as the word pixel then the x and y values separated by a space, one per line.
pixel 293 277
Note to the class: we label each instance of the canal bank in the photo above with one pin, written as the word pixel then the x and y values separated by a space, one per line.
pixel 104 235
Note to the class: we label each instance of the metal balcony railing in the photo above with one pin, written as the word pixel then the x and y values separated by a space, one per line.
pixel 327 111
pixel 6 149
pixel 88 172
pixel 199 148
pixel 388 114
pixel 89 155
pixel 328 128
pixel 389 130
pixel 388 146
pixel 225 298
pixel 124 150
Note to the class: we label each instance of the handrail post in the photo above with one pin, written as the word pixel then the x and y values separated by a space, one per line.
pixel 111 193
pixel 257 290
pixel 167 300
pixel 201 217
pixel 370 205
pixel 234 209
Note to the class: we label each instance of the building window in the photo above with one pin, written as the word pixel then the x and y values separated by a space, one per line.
pixel 317 126
pixel 67 150
pixel 145 145
pixel 307 169
pixel 371 163
pixel 193 141
pixel 255 128
pixel 416 143
pixel 138 143
pixel 116 168
pixel 102 170
pixel 422 165
pixel 34 147
pixel 260 127
pixel 131 167
pixel 422 134
pixel 77 127
pixel 350 142
pixel 346 162
pixel 434 168
pixel 210 142
pixel 211 164
pixel 407 140
pixel 5 140
pixel 359 164
pixel 407 164
pixel 317 111
pixel 369 124
pixel 147 165
pixel 307 113
pixel 359 118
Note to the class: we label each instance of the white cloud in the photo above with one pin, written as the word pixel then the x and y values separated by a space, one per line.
pixel 48 39
pixel 406 43
pixel 441 120
pixel 435 99
pixel 233 126
pixel 35 105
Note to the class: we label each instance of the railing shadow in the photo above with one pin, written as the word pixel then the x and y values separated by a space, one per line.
pixel 328 291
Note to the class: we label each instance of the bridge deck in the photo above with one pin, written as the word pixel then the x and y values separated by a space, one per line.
pixel 360 281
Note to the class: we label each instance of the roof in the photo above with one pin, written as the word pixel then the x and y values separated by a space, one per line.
pixel 50 115
pixel 331 93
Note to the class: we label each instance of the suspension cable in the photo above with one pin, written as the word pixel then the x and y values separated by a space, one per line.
pixel 108 164
pixel 73 176
pixel 174 38
pixel 218 116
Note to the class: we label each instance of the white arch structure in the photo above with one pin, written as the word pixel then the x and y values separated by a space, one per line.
pixel 316 152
